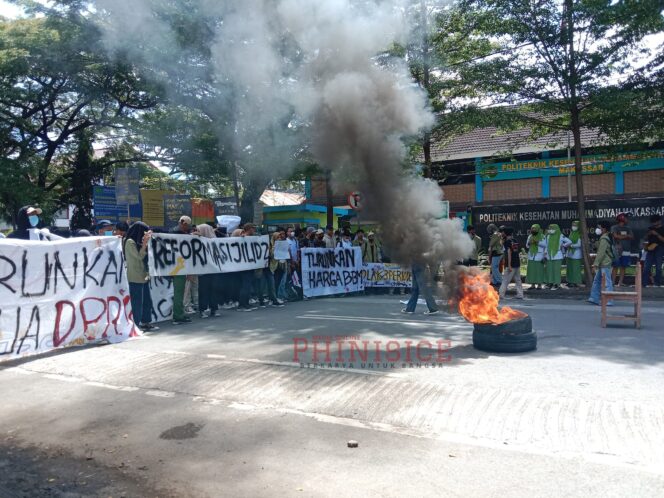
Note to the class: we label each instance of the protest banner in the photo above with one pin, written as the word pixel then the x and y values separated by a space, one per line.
pixel 331 271
pixel 62 293
pixel 281 250
pixel 177 254
pixel 386 275
pixel 161 293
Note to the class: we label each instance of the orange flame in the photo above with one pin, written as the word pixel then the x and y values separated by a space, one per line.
pixel 478 301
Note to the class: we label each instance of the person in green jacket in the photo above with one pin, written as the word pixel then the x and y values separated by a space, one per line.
pixel 135 248
pixel 602 263
pixel 556 243
pixel 574 257
pixel 536 249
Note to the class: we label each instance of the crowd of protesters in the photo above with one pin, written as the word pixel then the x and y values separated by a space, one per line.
pixel 546 250
pixel 279 282
pixel 205 295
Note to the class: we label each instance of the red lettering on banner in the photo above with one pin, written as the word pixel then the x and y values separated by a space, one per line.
pixel 58 339
pixel 84 314
pixel 130 317
pixel 113 321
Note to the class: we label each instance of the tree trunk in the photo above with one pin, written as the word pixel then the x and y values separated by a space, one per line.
pixel 580 197
pixel 329 200
pixel 426 84
pixel 576 132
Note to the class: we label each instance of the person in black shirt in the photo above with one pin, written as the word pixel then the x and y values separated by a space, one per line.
pixel 654 251
pixel 512 264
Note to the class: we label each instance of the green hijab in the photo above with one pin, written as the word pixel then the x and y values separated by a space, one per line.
pixel 574 236
pixel 554 240
pixel 536 237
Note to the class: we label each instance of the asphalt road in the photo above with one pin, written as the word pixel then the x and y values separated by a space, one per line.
pixel 220 408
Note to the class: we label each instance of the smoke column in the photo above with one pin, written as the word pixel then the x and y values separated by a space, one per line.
pixel 304 74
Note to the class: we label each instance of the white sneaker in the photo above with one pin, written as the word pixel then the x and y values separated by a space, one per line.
pixel 280 301
pixel 253 301
pixel 228 306
pixel 205 314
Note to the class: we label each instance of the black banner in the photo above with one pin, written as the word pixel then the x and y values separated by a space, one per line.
pixel 521 216
pixel 176 206
pixel 225 206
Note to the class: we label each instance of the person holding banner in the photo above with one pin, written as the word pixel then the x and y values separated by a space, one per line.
pixel 207 299
pixel 246 277
pixel 135 249
pixel 574 257
pixel 180 281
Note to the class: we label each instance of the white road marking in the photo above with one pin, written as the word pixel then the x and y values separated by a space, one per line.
pixel 19 370
pixel 64 378
pixel 160 394
pixel 391 321
pixel 216 356
pixel 111 386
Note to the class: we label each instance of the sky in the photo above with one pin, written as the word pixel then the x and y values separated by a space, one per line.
pixel 8 10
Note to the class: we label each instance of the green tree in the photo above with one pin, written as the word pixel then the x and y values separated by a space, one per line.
pixel 57 84
pixel 555 61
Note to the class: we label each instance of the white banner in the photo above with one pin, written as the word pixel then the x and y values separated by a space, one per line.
pixel 62 293
pixel 386 275
pixel 161 293
pixel 331 271
pixel 177 254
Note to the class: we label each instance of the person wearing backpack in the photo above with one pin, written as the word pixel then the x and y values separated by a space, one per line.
pixel 556 244
pixel 512 265
pixel 602 264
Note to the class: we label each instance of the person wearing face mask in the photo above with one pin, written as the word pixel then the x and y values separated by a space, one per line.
pixel 27 219
pixel 536 248
pixel 27 226
pixel 556 244
pixel 104 228
pixel 602 263
pixel 345 240
pixel 574 256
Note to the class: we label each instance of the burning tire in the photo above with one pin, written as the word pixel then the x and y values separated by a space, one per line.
pixel 513 336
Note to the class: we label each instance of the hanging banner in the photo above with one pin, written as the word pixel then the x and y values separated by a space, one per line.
pixel 331 271
pixel 161 293
pixel 386 275
pixel 175 254
pixel 520 217
pixel 62 293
